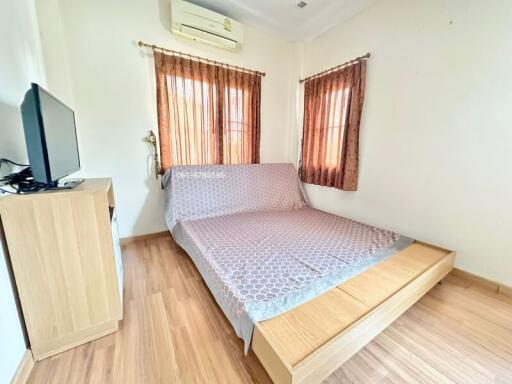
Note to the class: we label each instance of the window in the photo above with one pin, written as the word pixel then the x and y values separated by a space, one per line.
pixel 337 112
pixel 235 126
pixel 191 124
pixel 332 111
pixel 207 114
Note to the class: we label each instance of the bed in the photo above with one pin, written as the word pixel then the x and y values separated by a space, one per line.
pixel 298 283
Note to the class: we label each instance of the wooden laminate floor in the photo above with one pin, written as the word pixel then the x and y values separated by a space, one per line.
pixel 173 332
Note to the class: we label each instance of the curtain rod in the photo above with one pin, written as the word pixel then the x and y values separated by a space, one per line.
pixel 337 67
pixel 214 62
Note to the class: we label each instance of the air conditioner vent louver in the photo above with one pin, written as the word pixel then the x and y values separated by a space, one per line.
pixel 210 33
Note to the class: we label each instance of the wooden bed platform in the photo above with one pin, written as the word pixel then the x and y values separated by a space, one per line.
pixel 310 342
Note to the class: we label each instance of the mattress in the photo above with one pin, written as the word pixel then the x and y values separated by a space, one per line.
pixel 261 264
pixel 259 246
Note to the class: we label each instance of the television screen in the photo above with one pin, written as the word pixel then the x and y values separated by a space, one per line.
pixel 50 135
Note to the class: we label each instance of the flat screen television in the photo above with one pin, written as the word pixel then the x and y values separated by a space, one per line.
pixel 50 136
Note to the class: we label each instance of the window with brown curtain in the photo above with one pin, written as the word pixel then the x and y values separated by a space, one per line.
pixel 332 112
pixel 207 114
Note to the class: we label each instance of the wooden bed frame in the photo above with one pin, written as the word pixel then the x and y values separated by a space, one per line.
pixel 308 343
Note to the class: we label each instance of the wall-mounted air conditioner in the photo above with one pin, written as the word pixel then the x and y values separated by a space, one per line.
pixel 201 24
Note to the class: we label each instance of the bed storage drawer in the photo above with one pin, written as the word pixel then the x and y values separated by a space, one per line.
pixel 308 343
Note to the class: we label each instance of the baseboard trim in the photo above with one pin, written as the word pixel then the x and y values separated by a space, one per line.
pixel 483 282
pixel 24 368
pixel 132 239
pixel 65 343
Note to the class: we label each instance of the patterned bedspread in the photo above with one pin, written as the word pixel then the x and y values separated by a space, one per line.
pixel 259 263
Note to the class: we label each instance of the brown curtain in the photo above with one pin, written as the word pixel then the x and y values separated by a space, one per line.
pixel 332 112
pixel 207 114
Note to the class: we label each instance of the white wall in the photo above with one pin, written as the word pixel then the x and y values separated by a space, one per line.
pixel 436 137
pixel 20 63
pixel 53 43
pixel 113 88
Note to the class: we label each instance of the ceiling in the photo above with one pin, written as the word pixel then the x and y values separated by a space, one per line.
pixel 285 18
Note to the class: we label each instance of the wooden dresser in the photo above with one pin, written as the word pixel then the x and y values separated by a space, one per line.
pixel 64 251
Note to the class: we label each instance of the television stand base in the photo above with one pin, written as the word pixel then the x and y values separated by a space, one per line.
pixel 66 184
